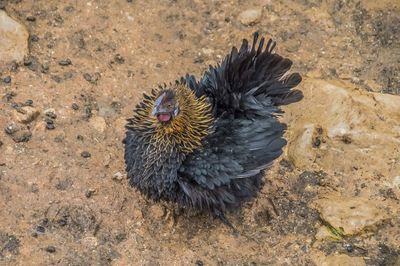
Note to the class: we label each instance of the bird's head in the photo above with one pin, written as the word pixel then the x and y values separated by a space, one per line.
pixel 166 106
pixel 173 116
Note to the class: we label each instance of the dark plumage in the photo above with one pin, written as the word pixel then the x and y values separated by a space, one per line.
pixel 205 144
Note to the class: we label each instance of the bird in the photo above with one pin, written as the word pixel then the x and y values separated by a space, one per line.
pixel 206 144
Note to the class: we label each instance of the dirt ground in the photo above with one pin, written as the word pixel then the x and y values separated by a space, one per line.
pixel 64 197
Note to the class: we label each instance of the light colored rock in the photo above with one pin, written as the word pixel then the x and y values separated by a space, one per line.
pixel 352 214
pixel 396 182
pixel 118 176
pixel 360 129
pixel 98 123
pixel 26 114
pixel 337 259
pixel 14 39
pixel 250 16
pixel 106 111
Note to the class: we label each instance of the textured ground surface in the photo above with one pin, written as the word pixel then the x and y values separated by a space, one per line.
pixel 64 199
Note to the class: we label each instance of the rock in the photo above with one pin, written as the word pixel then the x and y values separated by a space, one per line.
pixel 7 80
pixel 26 114
pixel 14 39
pixel 90 192
pixel 75 106
pixel 18 133
pixel 64 184
pixel 354 123
pixel 22 136
pixel 118 176
pixel 86 154
pixel 396 182
pixel 250 16
pixel 50 249
pixel 292 45
pixel 105 110
pixel 351 215
pixel 51 113
pixel 65 62
pixel 338 259
pixel 9 245
pixel 98 123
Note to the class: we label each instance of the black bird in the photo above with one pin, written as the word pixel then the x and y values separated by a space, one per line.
pixel 205 144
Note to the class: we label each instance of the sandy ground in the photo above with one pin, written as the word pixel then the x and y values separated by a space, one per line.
pixel 64 199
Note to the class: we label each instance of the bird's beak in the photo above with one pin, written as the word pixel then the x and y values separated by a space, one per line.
pixel 157 105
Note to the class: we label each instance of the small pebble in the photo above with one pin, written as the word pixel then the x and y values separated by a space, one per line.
pixel 90 192
pixel 346 139
pixel 86 154
pixel 34 188
pixel 199 263
pixel 250 16
pixel 51 114
pixel 118 176
pixel 7 79
pixel 40 229
pixel 49 120
pixel 316 143
pixel 75 106
pixel 9 95
pixel 65 62
pixel 88 112
pixel 69 8
pixel 62 222
pixel 51 249
pixel 34 38
pixel 87 77
pixel 120 237
pixel 50 126
pixel 59 138
pixel 56 78
pixel 11 129
pixel 119 59
pixel 45 68
pixel 28 102
pixel 31 18
pixel 28 61
pixel 349 248
pixel 68 75
pixel 14 66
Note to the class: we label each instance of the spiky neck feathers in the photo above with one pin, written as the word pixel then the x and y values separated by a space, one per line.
pixel 186 130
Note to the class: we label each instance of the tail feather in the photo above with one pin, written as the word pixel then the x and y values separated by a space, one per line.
pixel 250 71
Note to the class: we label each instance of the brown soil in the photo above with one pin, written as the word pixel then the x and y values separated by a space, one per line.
pixel 64 199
